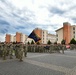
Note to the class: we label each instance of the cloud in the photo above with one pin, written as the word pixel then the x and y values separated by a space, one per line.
pixel 25 15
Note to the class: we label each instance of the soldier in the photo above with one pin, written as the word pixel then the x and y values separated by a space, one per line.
pixel 11 51
pixel 72 47
pixel 63 48
pixel 0 50
pixel 50 48
pixel 17 51
pixel 34 48
pixel 21 52
pixel 4 51
pixel 25 50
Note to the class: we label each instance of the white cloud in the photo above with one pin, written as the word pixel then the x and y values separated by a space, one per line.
pixel 36 13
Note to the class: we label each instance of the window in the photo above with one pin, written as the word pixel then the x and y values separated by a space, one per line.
pixel 73 28
pixel 74 36
pixel 57 39
pixel 73 32
pixel 57 35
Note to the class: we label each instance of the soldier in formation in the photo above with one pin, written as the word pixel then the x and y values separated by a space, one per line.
pixel 8 50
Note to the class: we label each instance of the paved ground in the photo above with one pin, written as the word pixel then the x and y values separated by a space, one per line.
pixel 41 64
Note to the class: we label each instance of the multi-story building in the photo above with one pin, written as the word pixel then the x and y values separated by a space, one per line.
pixel 23 38
pixel 7 38
pixel 18 37
pixel 52 38
pixel 38 31
pixel 12 38
pixel 29 40
pixel 43 34
pixel 67 32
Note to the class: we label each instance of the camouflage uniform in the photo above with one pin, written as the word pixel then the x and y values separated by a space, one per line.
pixel 21 52
pixel 72 47
pixel 11 51
pixel 63 48
pixel 4 51
pixel 1 50
pixel 25 50
pixel 17 51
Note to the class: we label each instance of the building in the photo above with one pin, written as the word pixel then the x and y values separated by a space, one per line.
pixel 38 31
pixel 52 38
pixel 67 32
pixel 29 40
pixel 18 37
pixel 44 36
pixel 23 38
pixel 7 38
pixel 12 38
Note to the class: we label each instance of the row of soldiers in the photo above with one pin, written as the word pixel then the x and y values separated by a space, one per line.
pixel 21 49
pixel 46 48
pixel 13 49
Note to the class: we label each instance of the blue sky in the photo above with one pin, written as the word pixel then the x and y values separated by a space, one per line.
pixel 25 15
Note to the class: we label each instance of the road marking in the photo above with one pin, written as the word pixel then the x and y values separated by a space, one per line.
pixel 37 55
pixel 49 66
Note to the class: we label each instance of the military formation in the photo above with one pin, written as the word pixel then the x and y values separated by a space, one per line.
pixel 11 50
pixel 47 48
pixel 20 50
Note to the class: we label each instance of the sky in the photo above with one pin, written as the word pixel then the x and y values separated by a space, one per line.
pixel 26 15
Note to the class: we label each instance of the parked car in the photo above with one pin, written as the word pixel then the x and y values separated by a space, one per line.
pixel 67 46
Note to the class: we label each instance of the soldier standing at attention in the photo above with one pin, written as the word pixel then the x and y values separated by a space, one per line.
pixel 11 51
pixel 21 52
pixel 25 50
pixel 63 48
pixel 4 52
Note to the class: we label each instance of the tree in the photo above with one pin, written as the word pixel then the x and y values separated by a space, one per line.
pixel 38 43
pixel 49 42
pixel 32 42
pixel 55 42
pixel 28 42
pixel 73 41
pixel 63 41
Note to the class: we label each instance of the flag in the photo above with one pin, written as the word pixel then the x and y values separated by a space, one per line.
pixel 34 36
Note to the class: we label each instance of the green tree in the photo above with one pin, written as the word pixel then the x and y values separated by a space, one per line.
pixel 55 42
pixel 28 42
pixel 63 41
pixel 38 43
pixel 73 41
pixel 49 42
pixel 32 42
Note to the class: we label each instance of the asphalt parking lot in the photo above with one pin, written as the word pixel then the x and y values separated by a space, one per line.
pixel 41 64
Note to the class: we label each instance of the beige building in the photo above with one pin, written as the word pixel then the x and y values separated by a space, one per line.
pixel 73 32
pixel 12 38
pixel 19 37
pixel 59 35
pixel 29 40
pixel 67 32
pixel 23 38
pixel 52 38
pixel 44 36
